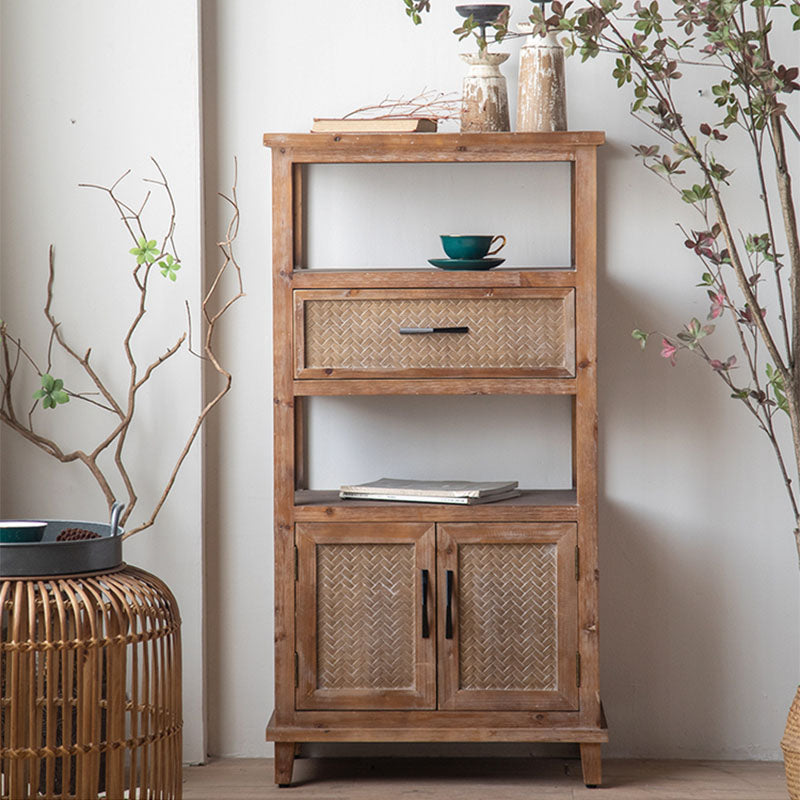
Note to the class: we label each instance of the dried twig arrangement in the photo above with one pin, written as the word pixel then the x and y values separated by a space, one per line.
pixel 430 104
pixel 150 259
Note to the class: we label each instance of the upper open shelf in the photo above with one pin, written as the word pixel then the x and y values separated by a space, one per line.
pixel 342 148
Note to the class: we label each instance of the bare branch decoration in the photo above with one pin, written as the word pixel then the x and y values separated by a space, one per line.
pixel 150 258
pixel 428 103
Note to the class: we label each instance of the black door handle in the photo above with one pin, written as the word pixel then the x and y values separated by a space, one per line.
pixel 426 631
pixel 448 619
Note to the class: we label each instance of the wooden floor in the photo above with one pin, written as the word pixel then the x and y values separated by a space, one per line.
pixel 485 779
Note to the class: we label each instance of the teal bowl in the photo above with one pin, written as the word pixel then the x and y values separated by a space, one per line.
pixel 15 531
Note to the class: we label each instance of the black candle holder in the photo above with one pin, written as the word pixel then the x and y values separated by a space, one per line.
pixel 483 13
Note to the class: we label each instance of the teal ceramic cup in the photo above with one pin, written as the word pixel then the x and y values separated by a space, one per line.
pixel 471 246
pixel 14 531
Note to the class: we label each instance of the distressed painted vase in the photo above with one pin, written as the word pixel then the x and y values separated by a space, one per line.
pixel 484 105
pixel 542 103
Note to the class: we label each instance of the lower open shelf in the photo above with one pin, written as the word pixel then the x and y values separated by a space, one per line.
pixel 552 505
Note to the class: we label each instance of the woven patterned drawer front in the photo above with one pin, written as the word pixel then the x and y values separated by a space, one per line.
pixel 365 616
pixel 508 613
pixel 528 333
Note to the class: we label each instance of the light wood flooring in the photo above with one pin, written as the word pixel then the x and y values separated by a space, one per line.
pixel 485 779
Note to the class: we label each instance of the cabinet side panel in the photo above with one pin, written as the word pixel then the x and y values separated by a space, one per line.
pixel 283 435
pixel 586 428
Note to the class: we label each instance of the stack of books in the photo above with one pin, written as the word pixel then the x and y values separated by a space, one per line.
pixel 461 492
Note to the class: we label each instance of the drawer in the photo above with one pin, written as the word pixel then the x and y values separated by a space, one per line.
pixel 509 332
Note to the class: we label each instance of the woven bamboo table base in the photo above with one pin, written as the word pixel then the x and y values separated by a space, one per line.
pixel 90 687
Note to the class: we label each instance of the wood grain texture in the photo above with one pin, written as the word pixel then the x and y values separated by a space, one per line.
pixel 586 430
pixel 284 762
pixel 553 505
pixel 431 278
pixel 284 443
pixel 356 333
pixel 440 719
pixel 359 635
pixel 520 778
pixel 514 616
pixel 453 385
pixel 505 709
pixel 591 764
pixel 318 148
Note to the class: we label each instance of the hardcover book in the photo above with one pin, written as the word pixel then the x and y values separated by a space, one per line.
pixel 388 125
pixel 463 492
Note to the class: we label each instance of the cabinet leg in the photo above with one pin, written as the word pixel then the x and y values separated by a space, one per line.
pixel 284 762
pixel 591 765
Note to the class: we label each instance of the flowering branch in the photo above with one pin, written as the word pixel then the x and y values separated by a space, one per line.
pixel 749 93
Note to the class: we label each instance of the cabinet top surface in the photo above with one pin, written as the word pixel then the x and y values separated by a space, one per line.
pixel 333 147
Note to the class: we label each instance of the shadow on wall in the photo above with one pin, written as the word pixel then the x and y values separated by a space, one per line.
pixel 661 609
pixel 691 645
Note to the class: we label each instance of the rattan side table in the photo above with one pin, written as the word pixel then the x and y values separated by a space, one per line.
pixel 90 687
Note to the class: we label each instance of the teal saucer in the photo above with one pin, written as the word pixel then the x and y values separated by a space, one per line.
pixel 465 263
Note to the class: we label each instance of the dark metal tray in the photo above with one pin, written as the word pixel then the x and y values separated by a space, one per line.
pixel 49 557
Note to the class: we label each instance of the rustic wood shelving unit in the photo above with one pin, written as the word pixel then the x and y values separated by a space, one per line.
pixel 415 622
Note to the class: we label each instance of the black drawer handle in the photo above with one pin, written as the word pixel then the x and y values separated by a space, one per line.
pixel 448 618
pixel 454 329
pixel 426 631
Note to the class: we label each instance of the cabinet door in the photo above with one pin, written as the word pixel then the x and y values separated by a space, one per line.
pixel 366 634
pixel 507 616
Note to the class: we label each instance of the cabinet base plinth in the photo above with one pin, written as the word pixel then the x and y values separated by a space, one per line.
pixel 359 732
pixel 288 736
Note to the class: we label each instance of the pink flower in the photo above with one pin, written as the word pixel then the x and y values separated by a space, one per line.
pixel 668 350
pixel 722 366
pixel 717 304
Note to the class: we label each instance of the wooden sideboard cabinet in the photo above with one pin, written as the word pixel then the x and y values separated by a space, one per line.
pixel 432 622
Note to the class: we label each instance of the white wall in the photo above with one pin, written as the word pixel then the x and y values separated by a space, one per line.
pixel 699 645
pixel 90 89
pixel 699 610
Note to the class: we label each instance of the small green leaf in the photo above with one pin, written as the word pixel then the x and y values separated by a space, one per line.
pixel 146 252
pixel 169 267
pixel 641 336
pixel 52 392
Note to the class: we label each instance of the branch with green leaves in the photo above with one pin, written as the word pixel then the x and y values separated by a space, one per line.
pixel 151 256
pixel 730 42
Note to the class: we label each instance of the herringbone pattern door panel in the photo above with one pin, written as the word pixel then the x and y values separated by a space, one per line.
pixel 365 616
pixel 360 641
pixel 512 609
pixel 507 607
pixel 522 332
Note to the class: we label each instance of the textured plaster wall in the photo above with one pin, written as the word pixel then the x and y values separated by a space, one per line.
pixel 699 612
pixel 89 90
